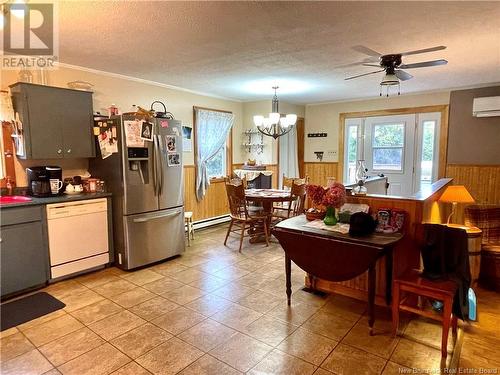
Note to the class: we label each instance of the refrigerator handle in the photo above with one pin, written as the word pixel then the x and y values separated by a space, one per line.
pixel 161 155
pixel 153 160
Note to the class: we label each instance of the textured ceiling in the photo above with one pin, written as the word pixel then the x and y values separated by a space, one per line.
pixel 238 49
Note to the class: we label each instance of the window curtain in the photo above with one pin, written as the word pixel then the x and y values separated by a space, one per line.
pixel 212 129
pixel 288 157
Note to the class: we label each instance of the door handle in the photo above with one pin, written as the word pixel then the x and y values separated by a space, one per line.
pixel 145 219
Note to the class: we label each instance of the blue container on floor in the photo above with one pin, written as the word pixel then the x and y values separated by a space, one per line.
pixel 472 305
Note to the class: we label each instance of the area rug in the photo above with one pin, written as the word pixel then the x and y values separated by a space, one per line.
pixel 28 308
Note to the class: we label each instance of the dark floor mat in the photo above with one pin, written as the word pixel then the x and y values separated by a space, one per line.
pixel 28 308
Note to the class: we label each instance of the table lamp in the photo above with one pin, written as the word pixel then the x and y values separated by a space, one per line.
pixel 455 194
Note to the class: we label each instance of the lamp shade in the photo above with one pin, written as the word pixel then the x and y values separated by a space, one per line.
pixel 274 117
pixel 258 120
pixel 291 118
pixel 456 193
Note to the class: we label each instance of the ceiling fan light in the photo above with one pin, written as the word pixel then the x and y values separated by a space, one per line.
pixel 291 118
pixel 389 80
pixel 274 117
pixel 258 120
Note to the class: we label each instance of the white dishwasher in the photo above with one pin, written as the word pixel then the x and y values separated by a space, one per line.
pixel 78 236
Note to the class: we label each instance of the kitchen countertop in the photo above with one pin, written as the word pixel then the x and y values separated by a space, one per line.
pixel 57 199
pixel 368 180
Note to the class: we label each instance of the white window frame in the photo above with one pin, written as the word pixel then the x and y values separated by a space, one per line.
pixel 372 147
pixel 421 118
pixel 359 124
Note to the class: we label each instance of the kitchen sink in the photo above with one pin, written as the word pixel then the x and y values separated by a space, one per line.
pixel 11 199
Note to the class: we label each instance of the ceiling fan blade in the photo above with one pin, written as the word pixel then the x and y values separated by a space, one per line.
pixel 402 75
pixel 423 64
pixel 375 65
pixel 425 50
pixel 366 51
pixel 364 74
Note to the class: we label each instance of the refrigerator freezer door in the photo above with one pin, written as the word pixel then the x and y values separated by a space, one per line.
pixel 169 138
pixel 152 237
pixel 138 172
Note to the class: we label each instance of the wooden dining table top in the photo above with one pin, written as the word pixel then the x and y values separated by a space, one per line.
pixel 274 195
pixel 297 224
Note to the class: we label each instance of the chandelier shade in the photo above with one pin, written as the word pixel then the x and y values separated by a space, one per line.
pixel 275 125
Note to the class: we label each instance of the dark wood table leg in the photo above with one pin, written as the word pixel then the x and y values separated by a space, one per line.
pixel 388 277
pixel 371 297
pixel 288 274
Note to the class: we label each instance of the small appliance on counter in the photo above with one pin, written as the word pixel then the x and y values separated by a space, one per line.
pixel 44 181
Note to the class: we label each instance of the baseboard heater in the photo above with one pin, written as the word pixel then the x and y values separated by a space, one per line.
pixel 211 221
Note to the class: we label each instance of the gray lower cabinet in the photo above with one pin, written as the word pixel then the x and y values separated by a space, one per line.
pixel 23 249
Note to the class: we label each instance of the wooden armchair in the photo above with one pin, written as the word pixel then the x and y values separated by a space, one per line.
pixel 241 218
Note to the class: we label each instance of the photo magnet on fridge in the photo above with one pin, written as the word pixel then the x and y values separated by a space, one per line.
pixel 174 160
pixel 147 131
pixel 171 143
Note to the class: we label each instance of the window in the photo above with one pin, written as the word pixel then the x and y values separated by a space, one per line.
pixel 216 165
pixel 428 140
pixel 352 152
pixel 387 146
pixel 212 131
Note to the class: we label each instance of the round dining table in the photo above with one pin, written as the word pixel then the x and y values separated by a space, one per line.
pixel 266 199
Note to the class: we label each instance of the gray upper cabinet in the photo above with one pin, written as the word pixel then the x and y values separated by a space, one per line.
pixel 57 122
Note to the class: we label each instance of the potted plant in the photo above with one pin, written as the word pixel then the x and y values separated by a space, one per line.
pixel 325 201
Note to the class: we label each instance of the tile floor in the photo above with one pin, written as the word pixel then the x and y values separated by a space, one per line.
pixel 214 311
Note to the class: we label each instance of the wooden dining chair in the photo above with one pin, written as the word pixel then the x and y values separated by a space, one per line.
pixel 292 207
pixel 241 218
pixel 235 180
pixel 288 181
pixel 416 285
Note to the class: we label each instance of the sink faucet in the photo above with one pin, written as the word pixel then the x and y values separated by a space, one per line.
pixel 9 186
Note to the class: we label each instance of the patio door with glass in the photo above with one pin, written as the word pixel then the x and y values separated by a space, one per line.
pixel 401 147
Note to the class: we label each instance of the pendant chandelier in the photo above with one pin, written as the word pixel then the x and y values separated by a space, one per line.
pixel 275 126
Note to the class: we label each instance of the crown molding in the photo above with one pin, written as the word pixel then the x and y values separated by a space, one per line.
pixel 144 81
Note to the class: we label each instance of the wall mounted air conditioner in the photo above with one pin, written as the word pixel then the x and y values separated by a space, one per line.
pixel 486 107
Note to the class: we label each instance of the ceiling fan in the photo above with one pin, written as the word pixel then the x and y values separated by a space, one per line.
pixel 392 65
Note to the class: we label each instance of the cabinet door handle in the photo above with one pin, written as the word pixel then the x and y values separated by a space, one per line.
pixel 59 151
pixel 69 151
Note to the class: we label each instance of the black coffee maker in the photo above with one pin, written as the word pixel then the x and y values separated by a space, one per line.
pixel 44 181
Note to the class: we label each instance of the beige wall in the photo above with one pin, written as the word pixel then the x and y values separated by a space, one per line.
pixel 325 118
pixel 263 107
pixel 124 93
pixel 472 140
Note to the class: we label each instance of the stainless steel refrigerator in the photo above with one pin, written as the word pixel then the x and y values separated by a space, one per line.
pixel 143 170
